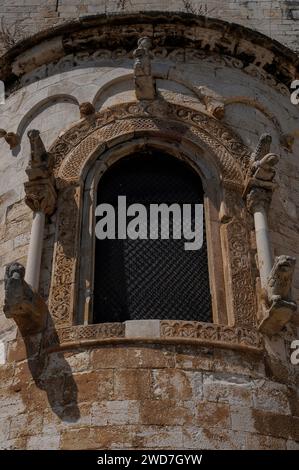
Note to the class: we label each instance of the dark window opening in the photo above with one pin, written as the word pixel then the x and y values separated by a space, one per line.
pixel 150 279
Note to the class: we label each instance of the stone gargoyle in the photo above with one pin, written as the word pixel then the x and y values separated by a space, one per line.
pixel 279 303
pixel 40 163
pixel 26 307
pixel 262 164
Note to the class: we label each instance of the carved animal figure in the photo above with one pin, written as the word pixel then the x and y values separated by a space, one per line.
pixel 280 279
pixel 39 155
pixel 13 284
pixel 262 162
pixel 262 148
pixel 142 65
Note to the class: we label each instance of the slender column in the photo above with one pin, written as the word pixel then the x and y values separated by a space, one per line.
pixel 35 251
pixel 41 198
pixel 258 201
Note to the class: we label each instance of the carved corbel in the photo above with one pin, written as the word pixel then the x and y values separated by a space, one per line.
pixel 261 170
pixel 279 305
pixel 11 138
pixel 40 189
pixel 145 86
pixel 86 109
pixel 24 306
pixel 213 102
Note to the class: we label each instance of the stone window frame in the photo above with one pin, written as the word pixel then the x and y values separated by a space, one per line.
pixel 95 143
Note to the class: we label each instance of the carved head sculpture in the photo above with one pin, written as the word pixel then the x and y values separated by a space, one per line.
pixel 144 43
pixel 86 109
pixel 14 271
pixel 280 278
pixel 262 148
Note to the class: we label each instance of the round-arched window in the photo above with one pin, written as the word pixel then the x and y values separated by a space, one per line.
pixel 146 271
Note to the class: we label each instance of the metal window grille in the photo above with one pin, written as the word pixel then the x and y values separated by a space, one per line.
pixel 150 279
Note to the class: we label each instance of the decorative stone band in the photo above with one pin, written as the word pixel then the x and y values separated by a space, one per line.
pixel 173 331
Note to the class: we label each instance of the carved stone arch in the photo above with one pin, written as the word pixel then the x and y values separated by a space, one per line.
pixel 76 150
pixel 73 149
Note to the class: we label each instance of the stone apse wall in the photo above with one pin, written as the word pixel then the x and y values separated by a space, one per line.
pixel 191 386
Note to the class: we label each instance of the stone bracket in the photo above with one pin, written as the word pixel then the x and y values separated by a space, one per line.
pixel 277 316
pixel 278 306
pixel 24 306
pixel 145 86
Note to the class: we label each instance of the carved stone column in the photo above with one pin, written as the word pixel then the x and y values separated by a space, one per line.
pixel 276 279
pixel 41 198
pixel 258 202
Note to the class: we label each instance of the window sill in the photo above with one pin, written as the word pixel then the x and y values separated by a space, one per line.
pixel 155 331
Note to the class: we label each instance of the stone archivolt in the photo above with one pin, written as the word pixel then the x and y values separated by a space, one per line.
pixel 175 38
pixel 178 122
pixel 76 150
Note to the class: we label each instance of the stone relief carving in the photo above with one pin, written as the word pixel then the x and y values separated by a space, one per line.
pixel 209 332
pixel 63 289
pixel 202 333
pixel 203 44
pixel 277 306
pixel 145 86
pixel 71 152
pixel 26 307
pixel 232 156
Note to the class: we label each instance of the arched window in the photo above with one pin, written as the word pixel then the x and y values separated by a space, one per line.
pixel 151 278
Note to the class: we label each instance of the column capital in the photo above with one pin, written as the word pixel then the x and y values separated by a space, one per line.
pixel 41 195
pixel 257 199
pixel 40 189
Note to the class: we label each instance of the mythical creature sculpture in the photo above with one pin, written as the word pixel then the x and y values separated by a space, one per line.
pixel 40 163
pixel 262 162
pixel 280 279
pixel 26 307
pixel 11 138
pixel 86 109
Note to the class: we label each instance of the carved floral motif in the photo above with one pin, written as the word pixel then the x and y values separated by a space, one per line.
pixel 174 122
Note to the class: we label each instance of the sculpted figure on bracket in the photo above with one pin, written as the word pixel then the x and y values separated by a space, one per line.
pixel 26 307
pixel 276 278
pixel 144 83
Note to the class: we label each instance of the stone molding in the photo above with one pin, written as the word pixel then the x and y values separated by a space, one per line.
pixel 75 151
pixel 201 333
pixel 176 37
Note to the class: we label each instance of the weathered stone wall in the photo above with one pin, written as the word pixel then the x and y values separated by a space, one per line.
pixel 156 395
pixel 277 19
pixel 146 397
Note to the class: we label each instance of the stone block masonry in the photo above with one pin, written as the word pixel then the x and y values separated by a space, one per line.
pixel 275 18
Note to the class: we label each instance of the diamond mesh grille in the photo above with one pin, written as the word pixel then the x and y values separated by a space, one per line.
pixel 150 279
